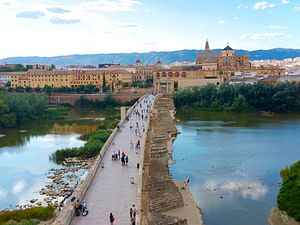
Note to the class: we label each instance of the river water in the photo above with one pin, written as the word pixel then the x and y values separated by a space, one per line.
pixel 233 162
pixel 25 154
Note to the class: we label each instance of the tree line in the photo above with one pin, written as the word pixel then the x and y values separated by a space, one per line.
pixel 282 97
pixel 16 109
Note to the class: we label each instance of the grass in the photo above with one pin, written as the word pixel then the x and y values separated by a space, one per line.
pixel 27 216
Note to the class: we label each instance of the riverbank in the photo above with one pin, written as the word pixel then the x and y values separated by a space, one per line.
pixel 190 210
pixel 278 217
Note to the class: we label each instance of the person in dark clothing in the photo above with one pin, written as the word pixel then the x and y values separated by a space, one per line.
pixel 111 218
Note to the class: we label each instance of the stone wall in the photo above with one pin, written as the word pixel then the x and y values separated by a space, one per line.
pixel 158 192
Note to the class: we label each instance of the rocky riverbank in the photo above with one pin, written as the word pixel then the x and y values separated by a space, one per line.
pixel 62 183
pixel 278 217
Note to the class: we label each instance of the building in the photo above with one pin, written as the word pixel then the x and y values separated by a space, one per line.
pixel 210 68
pixel 70 78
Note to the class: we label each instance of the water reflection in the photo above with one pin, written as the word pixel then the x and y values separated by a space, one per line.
pixel 233 162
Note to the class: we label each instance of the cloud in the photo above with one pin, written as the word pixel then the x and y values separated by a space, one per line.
pixel 235 18
pixel 247 189
pixel 263 36
pixel 57 20
pixel 31 14
pixel 18 187
pixel 277 27
pixel 297 8
pixel 58 10
pixel 285 1
pixel 221 22
pixel 263 5
pixel 126 25
pixel 109 6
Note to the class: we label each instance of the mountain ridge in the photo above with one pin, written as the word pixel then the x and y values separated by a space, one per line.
pixel 166 57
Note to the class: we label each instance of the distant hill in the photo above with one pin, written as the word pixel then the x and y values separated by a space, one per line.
pixel 146 58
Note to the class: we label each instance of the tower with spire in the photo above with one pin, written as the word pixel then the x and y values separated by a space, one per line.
pixel 207 46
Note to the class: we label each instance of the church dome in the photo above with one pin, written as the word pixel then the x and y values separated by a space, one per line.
pixel 228 48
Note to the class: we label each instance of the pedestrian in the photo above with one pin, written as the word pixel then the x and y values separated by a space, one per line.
pixel 131 213
pixel 126 160
pixel 119 154
pixel 111 219
pixel 133 210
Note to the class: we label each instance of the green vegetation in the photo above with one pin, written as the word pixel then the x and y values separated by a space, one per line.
pixel 16 109
pixel 26 216
pixel 283 97
pixel 289 194
pixel 147 84
pixel 95 141
pixel 109 101
pixel 16 68
pixel 56 112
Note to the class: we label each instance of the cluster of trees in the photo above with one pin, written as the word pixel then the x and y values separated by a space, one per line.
pixel 20 68
pixel 95 141
pixel 109 102
pixel 16 109
pixel 87 89
pixel 283 97
pixel 140 84
pixel 289 194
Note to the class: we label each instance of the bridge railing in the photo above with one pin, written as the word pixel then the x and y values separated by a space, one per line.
pixel 66 215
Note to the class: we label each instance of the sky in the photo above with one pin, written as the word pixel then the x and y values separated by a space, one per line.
pixel 52 27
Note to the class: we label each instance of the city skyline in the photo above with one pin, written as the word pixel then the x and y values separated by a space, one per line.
pixel 50 28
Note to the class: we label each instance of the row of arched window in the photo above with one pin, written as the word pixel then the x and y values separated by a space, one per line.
pixel 170 74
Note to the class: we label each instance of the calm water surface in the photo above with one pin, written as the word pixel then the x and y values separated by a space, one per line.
pixel 25 154
pixel 234 161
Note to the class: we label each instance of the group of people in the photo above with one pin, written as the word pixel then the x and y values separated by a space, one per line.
pixel 132 216
pixel 120 156
pixel 140 113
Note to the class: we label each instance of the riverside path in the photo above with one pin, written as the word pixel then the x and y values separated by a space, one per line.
pixel 111 190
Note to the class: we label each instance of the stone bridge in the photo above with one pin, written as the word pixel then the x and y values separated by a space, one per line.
pixel 145 182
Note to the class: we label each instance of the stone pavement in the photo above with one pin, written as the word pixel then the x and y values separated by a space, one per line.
pixel 111 190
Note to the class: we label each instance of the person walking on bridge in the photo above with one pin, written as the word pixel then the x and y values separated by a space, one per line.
pixel 111 219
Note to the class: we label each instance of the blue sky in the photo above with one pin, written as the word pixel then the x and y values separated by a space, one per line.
pixel 52 27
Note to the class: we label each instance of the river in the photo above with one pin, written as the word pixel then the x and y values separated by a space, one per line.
pixel 233 162
pixel 25 153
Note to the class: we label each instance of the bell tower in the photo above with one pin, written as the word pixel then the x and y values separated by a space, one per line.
pixel 207 46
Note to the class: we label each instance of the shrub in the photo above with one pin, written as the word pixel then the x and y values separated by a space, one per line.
pixel 92 147
pixel 289 194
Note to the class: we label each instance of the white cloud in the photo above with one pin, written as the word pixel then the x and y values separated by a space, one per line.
pixel 221 22
pixel 257 36
pixel 247 189
pixel 108 6
pixel 297 8
pixel 235 18
pixel 18 187
pixel 277 27
pixel 285 1
pixel 263 5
